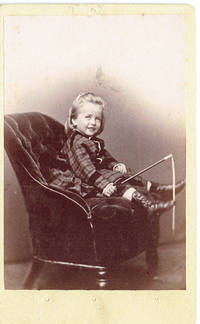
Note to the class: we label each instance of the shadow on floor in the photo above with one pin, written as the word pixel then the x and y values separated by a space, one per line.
pixel 131 275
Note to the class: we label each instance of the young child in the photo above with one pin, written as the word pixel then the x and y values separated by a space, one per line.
pixel 98 172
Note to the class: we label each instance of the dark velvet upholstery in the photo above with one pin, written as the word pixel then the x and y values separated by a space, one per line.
pixel 64 227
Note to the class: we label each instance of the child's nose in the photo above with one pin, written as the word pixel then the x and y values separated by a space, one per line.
pixel 93 121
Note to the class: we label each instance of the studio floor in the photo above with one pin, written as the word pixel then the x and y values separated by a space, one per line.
pixel 131 275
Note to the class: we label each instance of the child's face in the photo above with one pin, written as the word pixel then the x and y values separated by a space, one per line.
pixel 89 118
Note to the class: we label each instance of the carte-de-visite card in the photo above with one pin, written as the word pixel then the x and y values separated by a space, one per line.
pixel 98 219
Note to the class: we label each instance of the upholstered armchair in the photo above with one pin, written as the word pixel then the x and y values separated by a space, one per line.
pixel 65 229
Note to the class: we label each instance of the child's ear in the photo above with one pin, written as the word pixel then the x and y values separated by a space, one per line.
pixel 74 123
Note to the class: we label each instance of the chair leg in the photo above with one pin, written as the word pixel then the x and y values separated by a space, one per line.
pixel 102 279
pixel 36 267
pixel 151 250
pixel 152 261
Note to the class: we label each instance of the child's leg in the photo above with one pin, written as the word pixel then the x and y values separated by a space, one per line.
pixel 140 199
pixel 128 194
pixel 165 191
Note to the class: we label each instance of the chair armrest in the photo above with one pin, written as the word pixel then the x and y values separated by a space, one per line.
pixel 71 196
pixel 60 224
pixel 67 196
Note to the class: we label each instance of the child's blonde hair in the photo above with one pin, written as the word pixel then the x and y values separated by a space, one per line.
pixel 78 102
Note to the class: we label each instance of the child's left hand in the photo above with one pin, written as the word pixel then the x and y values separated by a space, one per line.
pixel 120 167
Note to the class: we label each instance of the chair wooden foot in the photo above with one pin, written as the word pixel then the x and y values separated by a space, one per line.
pixel 102 279
pixel 36 267
pixel 151 250
pixel 152 261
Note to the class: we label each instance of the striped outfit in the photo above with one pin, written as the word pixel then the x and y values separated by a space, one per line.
pixel 91 165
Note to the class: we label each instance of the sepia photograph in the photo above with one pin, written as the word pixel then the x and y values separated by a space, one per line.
pixel 95 125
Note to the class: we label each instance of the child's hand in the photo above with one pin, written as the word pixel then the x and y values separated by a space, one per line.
pixel 120 167
pixel 109 189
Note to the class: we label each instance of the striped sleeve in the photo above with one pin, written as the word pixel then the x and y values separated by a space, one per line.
pixel 109 161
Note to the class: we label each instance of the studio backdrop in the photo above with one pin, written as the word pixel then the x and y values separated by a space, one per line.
pixel 137 63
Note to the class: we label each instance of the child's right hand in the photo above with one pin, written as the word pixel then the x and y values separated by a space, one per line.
pixel 109 189
pixel 120 167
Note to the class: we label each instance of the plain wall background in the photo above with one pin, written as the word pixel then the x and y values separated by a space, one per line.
pixel 136 63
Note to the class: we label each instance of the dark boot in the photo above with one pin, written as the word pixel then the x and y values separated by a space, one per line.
pixel 166 191
pixel 150 205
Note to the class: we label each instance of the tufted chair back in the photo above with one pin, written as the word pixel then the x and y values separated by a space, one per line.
pixel 31 140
